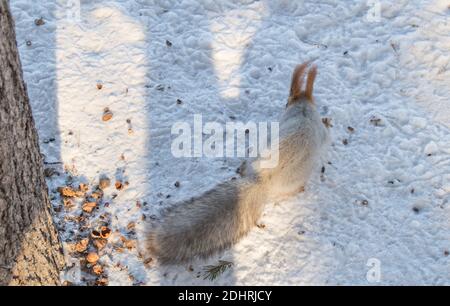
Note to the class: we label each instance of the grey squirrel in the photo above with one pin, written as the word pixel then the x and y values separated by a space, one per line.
pixel 214 221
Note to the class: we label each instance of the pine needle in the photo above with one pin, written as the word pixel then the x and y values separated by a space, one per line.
pixel 212 272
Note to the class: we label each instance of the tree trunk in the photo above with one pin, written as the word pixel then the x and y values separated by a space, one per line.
pixel 30 251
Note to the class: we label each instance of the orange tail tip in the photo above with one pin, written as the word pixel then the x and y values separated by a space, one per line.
pixel 310 82
pixel 298 76
pixel 297 80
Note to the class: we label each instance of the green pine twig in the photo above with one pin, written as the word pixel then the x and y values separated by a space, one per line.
pixel 212 272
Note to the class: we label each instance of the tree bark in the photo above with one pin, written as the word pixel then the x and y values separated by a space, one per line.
pixel 30 251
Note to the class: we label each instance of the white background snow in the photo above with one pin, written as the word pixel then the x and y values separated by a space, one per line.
pixel 385 195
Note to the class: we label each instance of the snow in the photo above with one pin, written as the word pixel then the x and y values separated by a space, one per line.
pixel 384 196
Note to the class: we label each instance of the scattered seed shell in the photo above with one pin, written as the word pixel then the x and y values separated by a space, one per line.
pixel 68 203
pixel 100 243
pixel 105 232
pixel 101 281
pixel 118 185
pixel 98 194
pixel 92 257
pixel 97 269
pixel 67 192
pixel 82 245
pixel 89 206
pixel 79 193
pixel 96 234
pixel 107 116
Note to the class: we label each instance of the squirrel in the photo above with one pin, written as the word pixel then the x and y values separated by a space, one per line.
pixel 214 221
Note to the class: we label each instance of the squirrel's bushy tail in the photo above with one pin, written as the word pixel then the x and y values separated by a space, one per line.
pixel 207 224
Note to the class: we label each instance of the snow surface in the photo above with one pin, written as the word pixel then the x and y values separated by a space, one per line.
pixel 385 195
